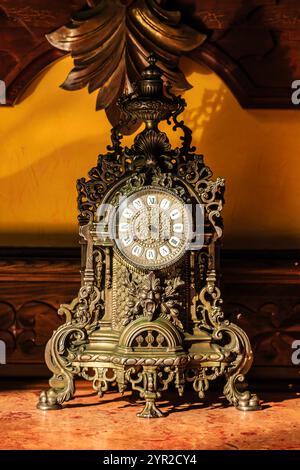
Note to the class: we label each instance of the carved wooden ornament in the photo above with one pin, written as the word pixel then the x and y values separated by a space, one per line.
pixel 110 42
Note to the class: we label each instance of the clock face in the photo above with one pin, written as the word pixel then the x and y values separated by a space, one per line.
pixel 152 228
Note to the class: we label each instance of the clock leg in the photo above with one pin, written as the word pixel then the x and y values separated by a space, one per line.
pixel 81 317
pixel 62 382
pixel 146 382
pixel 237 348
pixel 61 389
pixel 243 401
pixel 235 374
pixel 150 409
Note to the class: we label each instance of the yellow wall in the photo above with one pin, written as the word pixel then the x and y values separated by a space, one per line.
pixel 52 137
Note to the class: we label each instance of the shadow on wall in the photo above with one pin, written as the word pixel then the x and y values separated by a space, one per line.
pixel 254 150
pixel 43 211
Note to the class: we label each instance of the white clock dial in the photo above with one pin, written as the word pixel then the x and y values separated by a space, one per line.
pixel 164 250
pixel 153 228
pixel 137 250
pixel 138 204
pixel 151 200
pixel 124 226
pixel 174 241
pixel 128 213
pixel 150 254
pixel 127 241
pixel 165 203
pixel 178 228
pixel 175 214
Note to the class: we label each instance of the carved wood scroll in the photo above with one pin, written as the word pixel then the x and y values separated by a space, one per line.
pixel 254 45
pixel 111 41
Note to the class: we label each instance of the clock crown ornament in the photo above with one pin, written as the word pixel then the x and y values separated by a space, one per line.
pixel 149 102
pixel 149 309
pixel 151 83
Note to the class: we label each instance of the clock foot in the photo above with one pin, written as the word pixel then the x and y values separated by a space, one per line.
pixel 48 401
pixel 150 410
pixel 249 404
pixel 148 379
pixel 242 400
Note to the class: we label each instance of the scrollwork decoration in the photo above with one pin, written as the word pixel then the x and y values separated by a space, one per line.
pixel 234 341
pixel 68 340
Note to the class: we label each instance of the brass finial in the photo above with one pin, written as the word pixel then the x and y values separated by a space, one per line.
pixel 152 72
pixel 151 85
pixel 149 103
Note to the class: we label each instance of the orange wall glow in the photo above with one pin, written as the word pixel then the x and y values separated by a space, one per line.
pixel 52 137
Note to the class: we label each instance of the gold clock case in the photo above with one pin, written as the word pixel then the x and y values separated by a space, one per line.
pixel 141 329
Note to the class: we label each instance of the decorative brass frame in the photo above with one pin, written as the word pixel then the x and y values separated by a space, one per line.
pixel 140 329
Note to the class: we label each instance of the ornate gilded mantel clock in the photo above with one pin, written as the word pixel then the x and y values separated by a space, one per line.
pixel 149 310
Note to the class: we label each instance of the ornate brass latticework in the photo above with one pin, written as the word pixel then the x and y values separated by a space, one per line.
pixel 131 325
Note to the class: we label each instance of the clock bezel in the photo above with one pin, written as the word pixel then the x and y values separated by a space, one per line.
pixel 187 226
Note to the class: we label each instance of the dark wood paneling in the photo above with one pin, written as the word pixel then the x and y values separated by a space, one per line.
pixel 261 294
pixel 24 50
pixel 33 283
pixel 260 290
pixel 254 45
